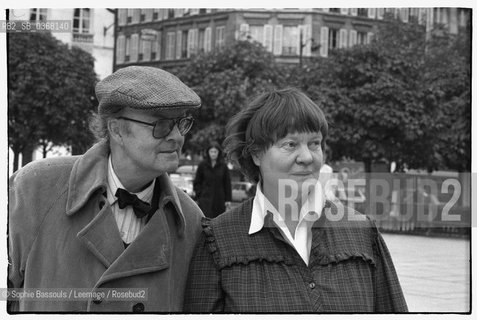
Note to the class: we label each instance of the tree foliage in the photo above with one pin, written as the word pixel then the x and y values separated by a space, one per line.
pixel 50 93
pixel 225 79
pixel 398 99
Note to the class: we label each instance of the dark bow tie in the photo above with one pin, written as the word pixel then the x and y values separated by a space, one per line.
pixel 141 208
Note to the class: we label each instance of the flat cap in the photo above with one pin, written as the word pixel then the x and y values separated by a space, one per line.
pixel 144 88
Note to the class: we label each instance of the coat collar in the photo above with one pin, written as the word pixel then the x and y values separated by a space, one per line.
pixel 90 175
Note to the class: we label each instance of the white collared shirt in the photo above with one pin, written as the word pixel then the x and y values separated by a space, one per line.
pixel 309 213
pixel 128 224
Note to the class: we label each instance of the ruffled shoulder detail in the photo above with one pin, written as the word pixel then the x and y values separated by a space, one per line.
pixel 210 239
pixel 343 256
pixel 229 243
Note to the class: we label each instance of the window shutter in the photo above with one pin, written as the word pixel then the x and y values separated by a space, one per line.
pixel 244 29
pixel 380 13
pixel 178 44
pixel 157 45
pixel 343 38
pixel 324 41
pixel 134 47
pixel 146 50
pixel 136 15
pixel 405 14
pixel 372 13
pixel 277 39
pixel 120 49
pixel 354 11
pixel 326 9
pixel 122 17
pixel 422 16
pixel 148 13
pixel 344 10
pixel 429 19
pixel 353 37
pixel 308 39
pixel 370 37
pixel 127 50
pixel 267 37
pixel 190 44
pixel 194 11
pixel 207 39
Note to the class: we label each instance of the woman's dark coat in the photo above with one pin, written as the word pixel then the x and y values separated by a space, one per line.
pixel 212 188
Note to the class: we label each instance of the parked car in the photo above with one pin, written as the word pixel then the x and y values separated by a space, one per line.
pixel 240 191
pixel 187 170
pixel 183 182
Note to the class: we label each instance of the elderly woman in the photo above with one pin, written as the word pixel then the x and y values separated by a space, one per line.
pixel 287 249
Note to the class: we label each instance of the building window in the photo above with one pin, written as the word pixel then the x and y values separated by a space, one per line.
pixel 120 49
pixel 127 50
pixel 170 44
pixel 130 15
pixel 185 41
pixel 156 47
pixel 362 37
pixel 290 40
pixel 220 37
pixel 37 14
pixel 363 12
pixel 256 32
pixel 82 21
pixel 170 13
pixel 155 14
pixel 201 40
pixel 333 39
pixel 335 10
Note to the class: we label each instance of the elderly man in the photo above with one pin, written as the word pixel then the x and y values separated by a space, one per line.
pixel 107 231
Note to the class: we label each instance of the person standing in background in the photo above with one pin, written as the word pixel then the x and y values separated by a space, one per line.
pixel 212 183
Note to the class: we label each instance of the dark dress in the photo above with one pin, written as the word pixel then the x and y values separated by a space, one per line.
pixel 212 188
pixel 350 269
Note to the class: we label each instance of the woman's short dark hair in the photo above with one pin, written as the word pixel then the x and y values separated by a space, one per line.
pixel 266 119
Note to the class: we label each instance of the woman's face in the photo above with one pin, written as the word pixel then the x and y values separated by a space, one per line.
pixel 291 161
pixel 213 154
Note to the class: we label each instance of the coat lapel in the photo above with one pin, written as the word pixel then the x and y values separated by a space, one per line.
pixel 149 252
pixel 102 237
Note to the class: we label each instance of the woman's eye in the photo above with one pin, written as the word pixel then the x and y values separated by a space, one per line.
pixel 289 145
pixel 315 145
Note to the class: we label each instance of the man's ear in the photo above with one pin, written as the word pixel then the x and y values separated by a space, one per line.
pixel 114 128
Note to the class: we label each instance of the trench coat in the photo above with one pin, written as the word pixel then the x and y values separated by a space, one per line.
pixel 212 187
pixel 62 234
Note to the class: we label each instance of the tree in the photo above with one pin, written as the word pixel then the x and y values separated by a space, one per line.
pixel 391 100
pixel 50 94
pixel 225 79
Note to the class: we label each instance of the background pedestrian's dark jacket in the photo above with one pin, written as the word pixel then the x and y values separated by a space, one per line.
pixel 212 187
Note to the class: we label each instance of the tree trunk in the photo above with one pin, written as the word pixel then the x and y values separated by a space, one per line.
pixel 27 154
pixel 16 156
pixel 44 150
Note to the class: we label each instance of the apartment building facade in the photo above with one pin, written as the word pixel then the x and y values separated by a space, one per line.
pixel 169 37
pixel 92 29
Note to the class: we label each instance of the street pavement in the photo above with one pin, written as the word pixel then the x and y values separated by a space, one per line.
pixel 434 272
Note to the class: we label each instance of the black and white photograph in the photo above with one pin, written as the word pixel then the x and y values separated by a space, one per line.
pixel 249 159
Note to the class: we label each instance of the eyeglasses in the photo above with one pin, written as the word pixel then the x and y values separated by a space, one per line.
pixel 163 127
